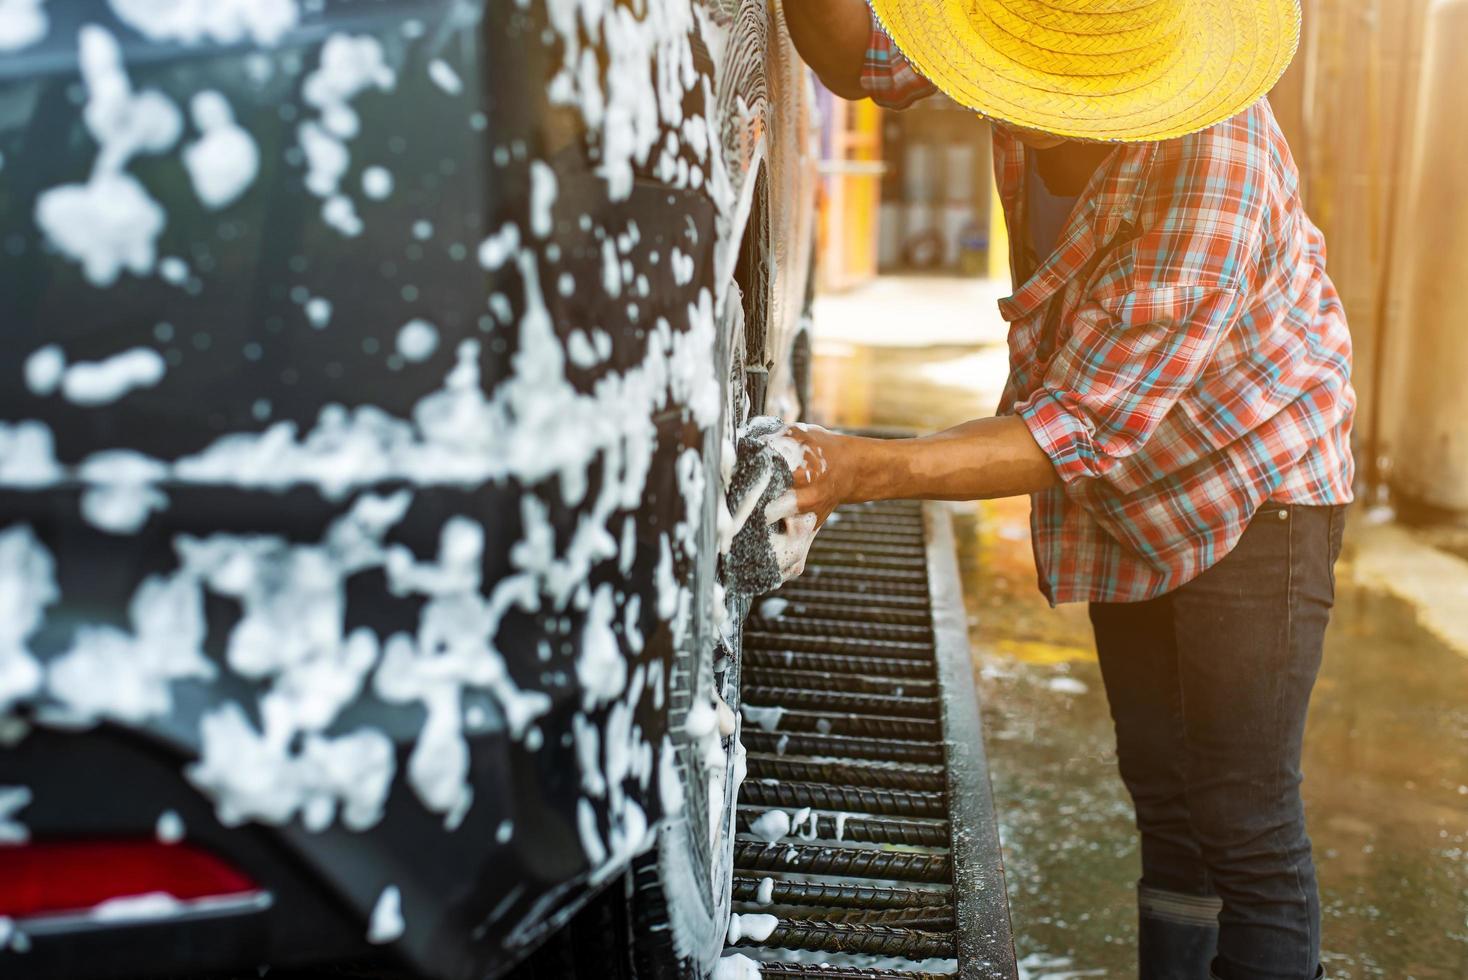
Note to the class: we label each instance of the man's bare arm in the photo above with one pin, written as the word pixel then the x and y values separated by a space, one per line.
pixel 832 37
pixel 986 458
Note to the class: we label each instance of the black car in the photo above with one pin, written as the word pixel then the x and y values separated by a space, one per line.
pixel 372 367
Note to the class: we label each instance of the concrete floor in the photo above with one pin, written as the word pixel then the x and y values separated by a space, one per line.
pixel 1387 751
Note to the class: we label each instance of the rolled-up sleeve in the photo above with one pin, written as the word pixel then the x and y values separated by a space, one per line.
pixel 1118 375
pixel 886 75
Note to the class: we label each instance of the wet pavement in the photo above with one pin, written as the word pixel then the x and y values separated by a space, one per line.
pixel 1386 763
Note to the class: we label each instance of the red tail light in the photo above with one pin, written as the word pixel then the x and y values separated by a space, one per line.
pixel 72 876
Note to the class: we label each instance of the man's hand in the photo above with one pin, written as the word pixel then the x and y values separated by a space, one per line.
pixel 832 37
pixel 826 480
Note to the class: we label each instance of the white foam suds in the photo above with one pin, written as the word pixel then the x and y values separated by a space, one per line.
pixel 377 183
pixel 252 776
pixel 453 648
pixel 773 608
pixel 318 311
pixel 682 265
pixel 792 541
pixel 173 270
pixel 152 905
pixel 224 161
pixel 326 156
pixel 13 799
pixel 445 77
pixel 803 822
pixel 93 383
pixel 417 340
pixel 737 966
pixel 667 582
pixel 121 508
pixel 220 21
pixel 386 923
pixel 631 628
pixel 728 724
pixel 755 926
pixel 44 370
pixel 340 212
pixel 27 587
pixel 1067 685
pixel 701 720
pixel 670 783
pixel 110 223
pixel 111 673
pixel 601 666
pixel 771 825
pixel 349 66
pixel 765 894
pixel 588 752
pixel 22 23
pixel 743 510
pixel 542 197
pixel 581 350
pixel 170 827
pixel 591 842
pixel 497 249
pixel 768 719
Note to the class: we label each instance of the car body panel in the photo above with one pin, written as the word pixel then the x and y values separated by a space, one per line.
pixel 543 479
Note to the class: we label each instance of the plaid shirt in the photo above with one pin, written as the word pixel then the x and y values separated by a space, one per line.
pixel 1181 356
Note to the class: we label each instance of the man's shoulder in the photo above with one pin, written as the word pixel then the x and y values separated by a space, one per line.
pixel 1204 207
pixel 1237 157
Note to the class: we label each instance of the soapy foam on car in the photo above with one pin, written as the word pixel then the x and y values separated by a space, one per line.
pixel 91 384
pixel 349 66
pixel 13 799
pixel 224 161
pixel 111 223
pixel 351 451
pixel 27 587
pixel 386 923
pixel 22 23
pixel 220 21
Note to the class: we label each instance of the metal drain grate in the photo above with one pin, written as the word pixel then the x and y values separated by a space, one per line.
pixel 876 754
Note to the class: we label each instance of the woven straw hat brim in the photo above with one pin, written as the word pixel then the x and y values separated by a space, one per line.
pixel 1122 75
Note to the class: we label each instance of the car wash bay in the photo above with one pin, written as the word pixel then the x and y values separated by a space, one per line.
pixel 1387 750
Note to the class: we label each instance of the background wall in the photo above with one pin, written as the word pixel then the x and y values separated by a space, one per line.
pixel 1374 107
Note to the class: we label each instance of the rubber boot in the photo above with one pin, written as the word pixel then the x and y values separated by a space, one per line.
pixel 1177 935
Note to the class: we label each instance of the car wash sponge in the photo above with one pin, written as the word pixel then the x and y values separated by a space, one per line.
pixel 764 550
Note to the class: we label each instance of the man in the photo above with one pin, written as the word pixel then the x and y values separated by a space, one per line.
pixel 1179 406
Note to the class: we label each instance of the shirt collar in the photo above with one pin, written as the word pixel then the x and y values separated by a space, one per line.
pixel 1111 199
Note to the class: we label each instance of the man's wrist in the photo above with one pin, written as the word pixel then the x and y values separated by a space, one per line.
pixel 871 470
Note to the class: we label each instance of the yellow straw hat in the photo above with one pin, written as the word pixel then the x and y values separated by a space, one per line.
pixel 1109 70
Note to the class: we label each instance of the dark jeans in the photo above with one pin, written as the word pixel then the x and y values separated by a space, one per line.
pixel 1209 686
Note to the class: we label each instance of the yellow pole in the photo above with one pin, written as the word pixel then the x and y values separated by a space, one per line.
pixel 998 236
